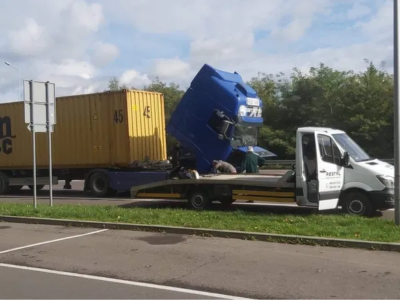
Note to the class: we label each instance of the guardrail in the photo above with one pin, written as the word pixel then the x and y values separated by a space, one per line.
pixel 290 162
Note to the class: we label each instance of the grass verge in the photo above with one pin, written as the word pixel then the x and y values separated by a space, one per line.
pixel 333 226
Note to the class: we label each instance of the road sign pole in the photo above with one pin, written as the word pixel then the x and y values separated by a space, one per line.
pixel 33 142
pixel 396 113
pixel 40 115
pixel 49 125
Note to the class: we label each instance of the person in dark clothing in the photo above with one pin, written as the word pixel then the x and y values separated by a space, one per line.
pixel 251 161
pixel 223 167
pixel 250 164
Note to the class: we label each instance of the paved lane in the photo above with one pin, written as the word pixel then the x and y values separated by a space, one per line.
pixel 232 267
pixel 29 284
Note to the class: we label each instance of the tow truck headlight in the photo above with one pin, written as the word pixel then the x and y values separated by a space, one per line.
pixel 387 181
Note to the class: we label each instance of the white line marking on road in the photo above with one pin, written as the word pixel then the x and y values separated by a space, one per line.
pixel 127 282
pixel 53 241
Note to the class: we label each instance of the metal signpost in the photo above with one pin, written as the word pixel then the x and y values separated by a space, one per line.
pixel 40 114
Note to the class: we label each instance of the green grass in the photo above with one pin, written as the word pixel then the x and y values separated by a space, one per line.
pixel 312 224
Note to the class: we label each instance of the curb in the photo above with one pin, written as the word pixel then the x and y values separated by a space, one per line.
pixel 243 235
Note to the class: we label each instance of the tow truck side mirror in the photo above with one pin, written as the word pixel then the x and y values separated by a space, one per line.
pixel 345 159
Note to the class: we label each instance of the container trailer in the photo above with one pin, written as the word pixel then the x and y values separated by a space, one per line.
pixel 95 134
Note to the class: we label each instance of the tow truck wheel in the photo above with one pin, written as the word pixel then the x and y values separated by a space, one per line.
pixel 199 201
pixel 357 204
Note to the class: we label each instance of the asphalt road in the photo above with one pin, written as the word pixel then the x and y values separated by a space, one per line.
pixel 252 269
pixel 28 284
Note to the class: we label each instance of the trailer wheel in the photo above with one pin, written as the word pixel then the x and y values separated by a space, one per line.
pixel 199 200
pixel 358 204
pixel 38 187
pixel 4 187
pixel 99 185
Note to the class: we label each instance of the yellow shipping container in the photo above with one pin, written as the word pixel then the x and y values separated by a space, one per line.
pixel 92 130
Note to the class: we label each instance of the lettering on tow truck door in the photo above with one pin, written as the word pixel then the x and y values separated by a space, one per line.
pixel 6 137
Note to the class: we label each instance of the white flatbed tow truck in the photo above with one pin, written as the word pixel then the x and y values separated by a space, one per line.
pixel 331 170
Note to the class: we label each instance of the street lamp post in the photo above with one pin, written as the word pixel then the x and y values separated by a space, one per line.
pixel 19 79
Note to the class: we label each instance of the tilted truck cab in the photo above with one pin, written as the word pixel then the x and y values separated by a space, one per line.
pixel 332 170
pixel 218 117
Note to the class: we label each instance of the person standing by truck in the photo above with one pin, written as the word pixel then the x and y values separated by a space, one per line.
pixel 250 164
pixel 251 161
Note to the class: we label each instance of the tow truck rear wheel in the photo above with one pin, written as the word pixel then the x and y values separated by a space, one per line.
pixel 356 203
pixel 199 200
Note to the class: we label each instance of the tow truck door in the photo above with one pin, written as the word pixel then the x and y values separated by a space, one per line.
pixel 330 172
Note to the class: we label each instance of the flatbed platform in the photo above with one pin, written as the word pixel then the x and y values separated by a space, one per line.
pixel 226 188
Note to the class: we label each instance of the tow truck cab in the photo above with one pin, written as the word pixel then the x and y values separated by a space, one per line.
pixel 345 175
pixel 218 117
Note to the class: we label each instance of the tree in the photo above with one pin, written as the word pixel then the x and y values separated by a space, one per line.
pixel 360 104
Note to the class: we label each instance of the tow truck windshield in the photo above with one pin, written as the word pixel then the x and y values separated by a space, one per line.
pixel 354 150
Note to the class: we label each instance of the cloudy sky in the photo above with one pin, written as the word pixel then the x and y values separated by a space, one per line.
pixel 80 44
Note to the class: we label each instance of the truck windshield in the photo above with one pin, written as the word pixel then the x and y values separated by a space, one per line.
pixel 355 151
pixel 245 135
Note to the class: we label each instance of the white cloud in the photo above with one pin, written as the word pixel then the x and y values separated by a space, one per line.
pixel 302 18
pixel 358 10
pixel 71 42
pixel 133 78
pixel 49 40
pixel 31 40
pixel 209 18
pixel 171 69
pixel 104 54
pixel 380 27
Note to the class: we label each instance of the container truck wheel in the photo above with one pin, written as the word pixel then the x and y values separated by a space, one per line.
pixel 356 203
pixel 99 185
pixel 199 200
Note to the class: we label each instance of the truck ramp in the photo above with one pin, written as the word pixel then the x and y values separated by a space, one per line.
pixel 226 188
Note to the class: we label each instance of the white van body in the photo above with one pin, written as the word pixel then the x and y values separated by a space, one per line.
pixel 345 174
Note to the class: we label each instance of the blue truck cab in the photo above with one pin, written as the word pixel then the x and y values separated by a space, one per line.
pixel 218 117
